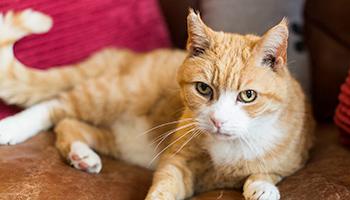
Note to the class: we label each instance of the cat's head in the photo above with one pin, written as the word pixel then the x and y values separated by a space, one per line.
pixel 230 82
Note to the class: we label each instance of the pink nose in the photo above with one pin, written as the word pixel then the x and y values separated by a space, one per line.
pixel 216 122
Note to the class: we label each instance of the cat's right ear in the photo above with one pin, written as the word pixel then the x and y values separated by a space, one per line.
pixel 198 34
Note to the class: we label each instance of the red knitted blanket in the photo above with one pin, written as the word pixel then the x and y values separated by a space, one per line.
pixel 84 26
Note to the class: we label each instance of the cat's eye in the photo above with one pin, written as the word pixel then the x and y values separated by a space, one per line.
pixel 247 96
pixel 204 89
pixel 197 51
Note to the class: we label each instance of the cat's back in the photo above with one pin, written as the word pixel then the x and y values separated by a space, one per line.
pixel 163 61
pixel 128 60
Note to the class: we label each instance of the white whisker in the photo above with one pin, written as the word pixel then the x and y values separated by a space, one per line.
pixel 195 134
pixel 165 124
pixel 171 132
pixel 158 154
pixel 254 150
pixel 166 134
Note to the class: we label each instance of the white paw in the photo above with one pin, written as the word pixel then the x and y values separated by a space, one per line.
pixel 261 190
pixel 18 128
pixel 11 132
pixel 159 195
pixel 84 158
pixel 36 21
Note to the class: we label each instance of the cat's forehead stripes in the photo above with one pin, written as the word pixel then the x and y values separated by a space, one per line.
pixel 231 55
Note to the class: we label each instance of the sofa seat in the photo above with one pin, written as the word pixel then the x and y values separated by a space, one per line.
pixel 35 170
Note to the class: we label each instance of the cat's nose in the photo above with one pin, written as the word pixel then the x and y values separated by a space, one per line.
pixel 217 123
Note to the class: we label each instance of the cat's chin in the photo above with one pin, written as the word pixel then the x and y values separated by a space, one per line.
pixel 224 136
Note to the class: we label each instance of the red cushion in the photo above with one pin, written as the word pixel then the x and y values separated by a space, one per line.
pixel 342 113
pixel 84 26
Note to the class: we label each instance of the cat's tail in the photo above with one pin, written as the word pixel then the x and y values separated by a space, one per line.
pixel 25 86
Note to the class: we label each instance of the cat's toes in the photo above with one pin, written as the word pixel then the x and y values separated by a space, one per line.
pixel 261 190
pixel 84 158
pixel 36 21
pixel 159 195
pixel 10 132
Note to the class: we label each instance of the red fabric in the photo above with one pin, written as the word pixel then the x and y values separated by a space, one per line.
pixel 342 113
pixel 84 26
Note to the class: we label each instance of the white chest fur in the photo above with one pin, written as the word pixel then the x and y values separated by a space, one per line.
pixel 134 147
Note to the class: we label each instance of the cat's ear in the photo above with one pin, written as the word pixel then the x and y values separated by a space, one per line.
pixel 272 47
pixel 198 34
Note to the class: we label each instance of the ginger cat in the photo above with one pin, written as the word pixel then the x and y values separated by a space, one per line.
pixel 225 114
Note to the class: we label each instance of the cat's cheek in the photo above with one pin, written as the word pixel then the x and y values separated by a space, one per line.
pixel 197 106
pixel 193 101
pixel 201 115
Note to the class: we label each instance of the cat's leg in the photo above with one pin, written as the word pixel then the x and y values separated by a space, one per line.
pixel 75 141
pixel 94 101
pixel 18 128
pixel 173 180
pixel 261 187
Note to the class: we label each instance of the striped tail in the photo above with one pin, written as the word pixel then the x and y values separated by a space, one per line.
pixel 25 86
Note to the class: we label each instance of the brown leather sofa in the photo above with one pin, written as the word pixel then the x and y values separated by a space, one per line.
pixel 34 169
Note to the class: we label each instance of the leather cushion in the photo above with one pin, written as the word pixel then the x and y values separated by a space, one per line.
pixel 34 170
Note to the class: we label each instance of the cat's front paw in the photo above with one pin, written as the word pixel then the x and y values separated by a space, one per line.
pixel 11 132
pixel 160 197
pixel 84 158
pixel 261 190
pixel 159 194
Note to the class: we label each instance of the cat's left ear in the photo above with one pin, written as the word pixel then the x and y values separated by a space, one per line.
pixel 198 34
pixel 272 47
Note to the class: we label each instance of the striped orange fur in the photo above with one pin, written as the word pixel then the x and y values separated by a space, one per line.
pixel 111 101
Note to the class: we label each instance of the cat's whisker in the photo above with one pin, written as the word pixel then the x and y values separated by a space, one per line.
pixel 195 134
pixel 165 124
pixel 160 137
pixel 254 150
pixel 168 133
pixel 241 142
pixel 173 131
pixel 178 139
pixel 251 148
